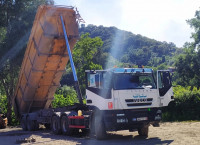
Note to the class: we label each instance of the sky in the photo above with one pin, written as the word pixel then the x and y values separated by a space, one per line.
pixel 163 20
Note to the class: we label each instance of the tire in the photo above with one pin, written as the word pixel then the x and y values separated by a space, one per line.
pixel 92 125
pixel 55 125
pixel 65 126
pixel 23 123
pixel 30 124
pixel 100 130
pixel 143 131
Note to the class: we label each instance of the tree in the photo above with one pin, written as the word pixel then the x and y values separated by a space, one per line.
pixel 129 48
pixel 195 23
pixel 16 19
pixel 84 53
pixel 64 96
pixel 187 68
pixel 188 64
pixel 8 80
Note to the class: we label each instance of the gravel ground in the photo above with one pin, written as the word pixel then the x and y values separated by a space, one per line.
pixel 177 133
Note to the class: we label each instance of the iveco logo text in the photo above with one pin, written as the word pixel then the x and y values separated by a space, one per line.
pixel 139 96
pixel 139 100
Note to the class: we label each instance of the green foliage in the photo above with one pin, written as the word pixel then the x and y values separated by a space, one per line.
pixel 185 105
pixel 3 104
pixel 2 34
pixel 195 23
pixel 162 67
pixel 16 19
pixel 64 96
pixel 84 53
pixel 188 63
pixel 85 50
pixel 3 109
pixel 14 120
pixel 112 62
pixel 130 48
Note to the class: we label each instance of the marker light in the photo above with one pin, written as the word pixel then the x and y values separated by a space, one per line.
pixel 110 105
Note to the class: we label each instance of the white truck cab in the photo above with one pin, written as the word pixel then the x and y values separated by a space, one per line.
pixel 128 98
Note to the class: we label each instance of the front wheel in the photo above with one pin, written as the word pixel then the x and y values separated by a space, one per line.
pixel 100 129
pixel 143 130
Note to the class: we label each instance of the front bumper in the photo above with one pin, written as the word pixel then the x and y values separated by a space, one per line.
pixel 130 119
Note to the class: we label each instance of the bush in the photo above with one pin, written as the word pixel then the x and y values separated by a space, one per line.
pixel 185 105
pixel 65 96
pixel 3 106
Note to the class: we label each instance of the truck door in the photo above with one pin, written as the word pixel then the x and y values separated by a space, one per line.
pixel 164 82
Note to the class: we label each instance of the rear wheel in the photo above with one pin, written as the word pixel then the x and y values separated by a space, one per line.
pixel 55 125
pixel 143 131
pixel 65 126
pixel 100 129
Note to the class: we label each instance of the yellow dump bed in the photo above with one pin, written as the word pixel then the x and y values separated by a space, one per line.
pixel 45 58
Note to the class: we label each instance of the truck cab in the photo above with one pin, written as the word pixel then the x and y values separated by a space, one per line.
pixel 128 98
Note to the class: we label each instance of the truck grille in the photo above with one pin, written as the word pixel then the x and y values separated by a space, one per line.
pixel 139 102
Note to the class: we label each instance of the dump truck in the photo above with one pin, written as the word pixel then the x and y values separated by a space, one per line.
pixel 116 99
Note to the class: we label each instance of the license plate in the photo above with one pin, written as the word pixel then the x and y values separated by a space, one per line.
pixel 142 118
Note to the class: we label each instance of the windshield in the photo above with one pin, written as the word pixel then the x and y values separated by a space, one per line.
pixel 133 81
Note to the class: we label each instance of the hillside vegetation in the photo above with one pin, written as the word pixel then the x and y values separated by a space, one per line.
pixel 126 47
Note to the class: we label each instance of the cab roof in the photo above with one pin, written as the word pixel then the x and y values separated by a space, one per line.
pixel 124 70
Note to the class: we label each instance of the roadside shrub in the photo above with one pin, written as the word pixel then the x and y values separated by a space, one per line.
pixel 64 96
pixel 15 121
pixel 3 106
pixel 186 105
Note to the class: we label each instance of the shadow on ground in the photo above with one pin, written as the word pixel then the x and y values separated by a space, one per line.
pixel 113 139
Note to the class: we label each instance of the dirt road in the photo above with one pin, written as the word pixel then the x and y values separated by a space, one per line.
pixel 168 133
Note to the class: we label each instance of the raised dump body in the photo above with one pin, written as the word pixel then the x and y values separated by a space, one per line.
pixel 45 58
